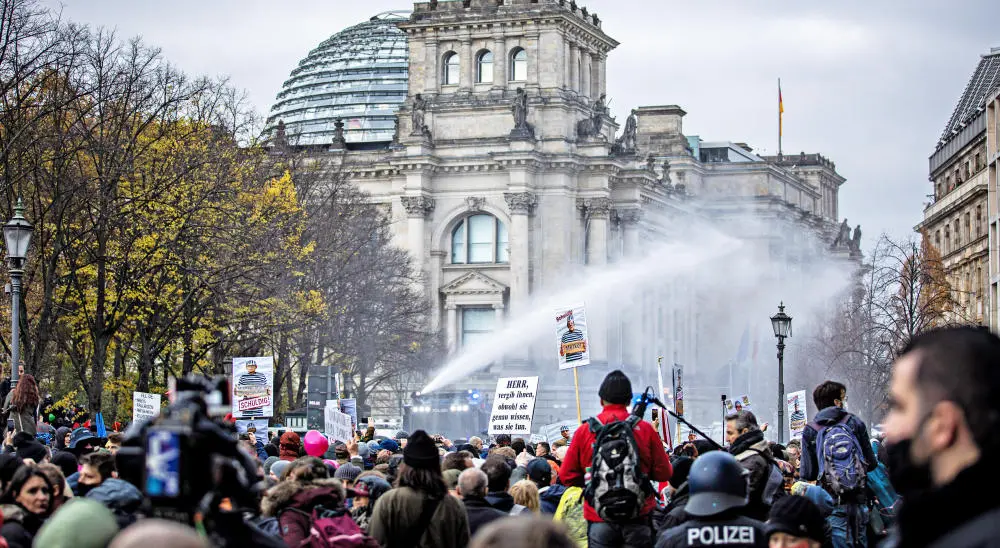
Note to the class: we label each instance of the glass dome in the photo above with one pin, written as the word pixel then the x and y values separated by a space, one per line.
pixel 358 75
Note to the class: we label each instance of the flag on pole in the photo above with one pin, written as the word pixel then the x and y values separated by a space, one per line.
pixel 781 108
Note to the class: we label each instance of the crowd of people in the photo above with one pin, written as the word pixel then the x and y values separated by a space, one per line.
pixel 609 482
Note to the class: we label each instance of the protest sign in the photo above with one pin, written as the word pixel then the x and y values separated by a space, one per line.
pixel 513 406
pixel 253 383
pixel 145 406
pixel 257 427
pixel 337 425
pixel 678 374
pixel 571 337
pixel 796 404
pixel 350 406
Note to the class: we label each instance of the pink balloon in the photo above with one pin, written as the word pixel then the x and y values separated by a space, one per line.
pixel 315 443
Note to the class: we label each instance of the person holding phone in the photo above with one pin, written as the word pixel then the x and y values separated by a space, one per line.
pixel 21 406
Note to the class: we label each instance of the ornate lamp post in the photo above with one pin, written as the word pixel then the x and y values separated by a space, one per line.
pixel 17 235
pixel 782 324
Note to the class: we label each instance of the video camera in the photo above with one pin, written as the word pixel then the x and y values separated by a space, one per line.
pixel 187 461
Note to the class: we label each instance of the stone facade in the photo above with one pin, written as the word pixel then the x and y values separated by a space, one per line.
pixel 992 159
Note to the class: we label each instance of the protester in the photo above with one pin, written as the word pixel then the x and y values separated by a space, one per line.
pixel 419 512
pixel 451 480
pixel 459 460
pixel 527 532
pixel 525 493
pixel 62 437
pixel 82 441
pixel 498 472
pixel 616 393
pixel 795 522
pixel 719 489
pixel 366 492
pixel 31 449
pixel 25 505
pixel 60 489
pixel 942 436
pixel 673 513
pixel 307 489
pixel 158 533
pixel 290 446
pixel 114 442
pixel 21 405
pixel 81 523
pixel 837 453
pixel 472 485
pixel 747 444
pixel 549 492
pixel 97 481
pixel 347 473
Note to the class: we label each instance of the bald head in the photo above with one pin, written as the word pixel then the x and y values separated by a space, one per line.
pixel 158 533
pixel 472 482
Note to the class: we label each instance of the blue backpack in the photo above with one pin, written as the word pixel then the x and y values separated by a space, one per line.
pixel 841 460
pixel 883 491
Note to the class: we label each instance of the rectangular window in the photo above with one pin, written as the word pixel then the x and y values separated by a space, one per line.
pixel 477 324
pixel 503 246
pixel 481 229
pixel 979 221
pixel 458 245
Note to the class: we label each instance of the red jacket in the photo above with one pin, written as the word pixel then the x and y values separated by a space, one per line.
pixel 653 459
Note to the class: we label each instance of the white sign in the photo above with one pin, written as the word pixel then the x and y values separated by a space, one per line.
pixel 337 425
pixel 740 404
pixel 571 337
pixel 513 406
pixel 253 384
pixel 258 427
pixel 145 406
pixel 796 404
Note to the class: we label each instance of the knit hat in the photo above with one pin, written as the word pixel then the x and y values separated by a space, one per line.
pixel 348 472
pixel 32 450
pixel 268 463
pixel 421 452
pixel 279 467
pixel 616 388
pixel 796 516
pixel 392 445
pixel 80 523
pixel 81 435
pixel 66 462
pixel 451 477
pixel 681 466
pixel 363 450
pixel 540 472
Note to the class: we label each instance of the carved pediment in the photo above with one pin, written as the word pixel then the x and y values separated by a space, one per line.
pixel 474 283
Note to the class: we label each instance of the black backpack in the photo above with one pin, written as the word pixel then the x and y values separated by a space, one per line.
pixel 618 488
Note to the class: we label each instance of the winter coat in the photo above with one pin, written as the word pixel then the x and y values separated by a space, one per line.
pixel 480 513
pixel 674 514
pixel 725 529
pixel 745 449
pixel 292 502
pixel 119 496
pixel 19 525
pixel 652 459
pixel 808 466
pixel 965 512
pixel 550 497
pixel 24 419
pixel 502 501
pixel 61 437
pixel 398 511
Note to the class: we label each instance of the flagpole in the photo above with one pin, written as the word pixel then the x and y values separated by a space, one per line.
pixel 781 110
pixel 576 383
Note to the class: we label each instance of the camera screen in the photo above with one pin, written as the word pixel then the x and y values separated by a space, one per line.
pixel 163 464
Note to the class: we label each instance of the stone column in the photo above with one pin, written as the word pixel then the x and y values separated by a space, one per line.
pixel 596 213
pixel 567 62
pixel 632 318
pixel 466 69
pixel 434 284
pixel 602 75
pixel 587 65
pixel 574 68
pixel 433 63
pixel 452 327
pixel 417 210
pixel 521 205
pixel 500 63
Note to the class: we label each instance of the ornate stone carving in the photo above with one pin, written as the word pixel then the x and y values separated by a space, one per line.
pixel 418 206
pixel 592 126
pixel 519 109
pixel 626 144
pixel 843 238
pixel 665 175
pixel 855 243
pixel 417 117
pixel 520 202
pixel 339 142
pixel 475 203
pixel 595 208
pixel 629 216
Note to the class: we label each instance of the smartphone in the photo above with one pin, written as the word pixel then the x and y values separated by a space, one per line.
pixel 10 425
pixel 655 414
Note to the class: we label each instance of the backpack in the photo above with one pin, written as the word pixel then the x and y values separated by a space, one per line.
pixel 335 529
pixel 885 496
pixel 841 460
pixel 774 489
pixel 618 488
pixel 570 513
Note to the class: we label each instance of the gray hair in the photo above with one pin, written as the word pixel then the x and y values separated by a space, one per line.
pixel 476 442
pixel 472 482
pixel 743 420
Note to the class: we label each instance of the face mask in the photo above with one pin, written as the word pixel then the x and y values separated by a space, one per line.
pixel 83 488
pixel 908 477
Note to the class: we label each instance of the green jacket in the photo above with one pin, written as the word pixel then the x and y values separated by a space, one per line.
pixel 397 512
pixel 24 420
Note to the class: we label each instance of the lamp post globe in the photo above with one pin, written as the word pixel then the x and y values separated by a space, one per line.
pixel 782 324
pixel 17 237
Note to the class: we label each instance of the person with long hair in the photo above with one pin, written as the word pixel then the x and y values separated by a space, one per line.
pixel 419 512
pixel 26 504
pixel 21 405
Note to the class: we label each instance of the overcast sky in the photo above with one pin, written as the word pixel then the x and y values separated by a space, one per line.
pixel 869 84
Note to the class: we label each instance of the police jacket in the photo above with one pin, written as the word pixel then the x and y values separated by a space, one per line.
pixel 726 529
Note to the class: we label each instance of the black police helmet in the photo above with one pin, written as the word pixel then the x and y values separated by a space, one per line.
pixel 717 482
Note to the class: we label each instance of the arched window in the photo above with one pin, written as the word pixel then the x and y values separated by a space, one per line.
pixel 518 65
pixel 452 68
pixel 484 67
pixel 479 239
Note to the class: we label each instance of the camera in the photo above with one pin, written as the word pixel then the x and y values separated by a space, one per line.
pixel 187 461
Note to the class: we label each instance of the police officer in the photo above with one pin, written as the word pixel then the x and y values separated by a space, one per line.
pixel 719 488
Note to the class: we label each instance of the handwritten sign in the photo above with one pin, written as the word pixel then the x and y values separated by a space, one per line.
pixel 513 406
pixel 145 406
pixel 337 425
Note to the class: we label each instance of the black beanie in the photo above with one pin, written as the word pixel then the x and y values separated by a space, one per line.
pixel 616 388
pixel 421 452
pixel 798 516
pixel 32 450
pixel 681 466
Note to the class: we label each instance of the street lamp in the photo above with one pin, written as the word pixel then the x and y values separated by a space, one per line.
pixel 782 324
pixel 17 235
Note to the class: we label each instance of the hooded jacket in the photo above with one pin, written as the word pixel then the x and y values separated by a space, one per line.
pixel 398 511
pixel 808 466
pixel 550 497
pixel 652 459
pixel 747 449
pixel 502 501
pixel 119 496
pixel 61 437
pixel 19 525
pixel 293 502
